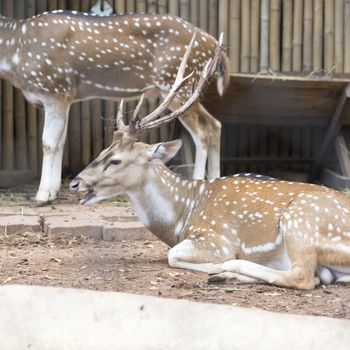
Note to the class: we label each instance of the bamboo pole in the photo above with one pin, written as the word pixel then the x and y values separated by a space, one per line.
pixel 151 6
pixel 287 36
pixel 347 36
pixel 97 132
pixel 52 5
pixel 85 5
pixel 174 7
pixel 163 6
pixel 185 9
pixel 213 18
pixel 254 38
pixel 85 110
pixel 194 12
pixel 8 112
pixel 130 6
pixel 61 4
pixel 203 15
pixel 235 35
pixel 224 20
pixel 275 19
pixel 264 35
pixel 119 6
pixel 329 35
pixel 21 160
pixel 245 37
pixel 41 6
pixel 307 36
pixel 1 114
pixel 109 114
pixel 141 6
pixel 298 35
pixel 31 114
pixel 317 35
pixel 339 36
pixel 74 130
pixel 85 133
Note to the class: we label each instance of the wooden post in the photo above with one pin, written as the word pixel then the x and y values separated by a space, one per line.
pixel 287 35
pixel 235 35
pixel 85 133
pixel 264 35
pixel 275 20
pixel 317 35
pixel 339 36
pixel 307 37
pixel 329 35
pixel 254 38
pixel 297 35
pixel 347 36
pixel 245 37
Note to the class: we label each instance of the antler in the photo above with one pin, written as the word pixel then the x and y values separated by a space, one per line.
pixel 138 126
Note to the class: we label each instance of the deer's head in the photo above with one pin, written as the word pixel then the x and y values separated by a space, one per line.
pixel 125 164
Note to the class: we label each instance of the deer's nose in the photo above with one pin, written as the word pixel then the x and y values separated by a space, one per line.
pixel 74 185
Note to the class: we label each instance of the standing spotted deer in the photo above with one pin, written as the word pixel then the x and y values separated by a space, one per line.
pixel 62 57
pixel 246 227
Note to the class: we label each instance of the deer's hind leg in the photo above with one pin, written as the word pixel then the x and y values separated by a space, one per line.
pixel 300 250
pixel 197 255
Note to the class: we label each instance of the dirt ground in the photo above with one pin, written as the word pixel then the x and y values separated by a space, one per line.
pixel 34 258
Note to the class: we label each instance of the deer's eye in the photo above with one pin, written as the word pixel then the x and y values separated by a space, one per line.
pixel 113 161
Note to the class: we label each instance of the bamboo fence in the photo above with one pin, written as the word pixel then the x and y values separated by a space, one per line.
pixel 261 35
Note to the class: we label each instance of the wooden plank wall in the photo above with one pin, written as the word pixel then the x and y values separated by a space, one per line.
pixel 261 35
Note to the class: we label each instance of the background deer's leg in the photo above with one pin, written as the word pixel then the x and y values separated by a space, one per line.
pixel 214 144
pixel 55 128
pixel 195 125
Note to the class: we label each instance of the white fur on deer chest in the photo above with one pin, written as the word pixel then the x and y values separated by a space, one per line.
pixel 153 207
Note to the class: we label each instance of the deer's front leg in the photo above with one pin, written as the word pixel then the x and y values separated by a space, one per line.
pixel 54 134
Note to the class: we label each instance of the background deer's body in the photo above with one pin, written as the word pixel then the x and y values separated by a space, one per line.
pixel 60 58
pixel 252 229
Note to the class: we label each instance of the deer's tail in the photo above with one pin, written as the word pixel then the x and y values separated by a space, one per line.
pixel 223 77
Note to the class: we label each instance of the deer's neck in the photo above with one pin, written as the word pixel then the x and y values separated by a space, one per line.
pixel 9 46
pixel 164 203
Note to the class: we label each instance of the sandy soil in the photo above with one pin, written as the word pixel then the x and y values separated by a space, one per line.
pixel 34 258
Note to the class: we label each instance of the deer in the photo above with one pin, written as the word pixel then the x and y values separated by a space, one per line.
pixel 61 57
pixel 247 227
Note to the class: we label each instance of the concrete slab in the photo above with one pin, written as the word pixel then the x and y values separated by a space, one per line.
pixel 41 318
pixel 18 223
pixel 127 231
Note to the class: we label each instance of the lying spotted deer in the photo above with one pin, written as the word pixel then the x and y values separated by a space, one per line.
pixel 62 57
pixel 250 228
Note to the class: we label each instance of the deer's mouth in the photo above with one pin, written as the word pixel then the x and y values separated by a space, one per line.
pixel 89 196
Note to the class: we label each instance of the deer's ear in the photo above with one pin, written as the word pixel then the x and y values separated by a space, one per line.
pixel 164 151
